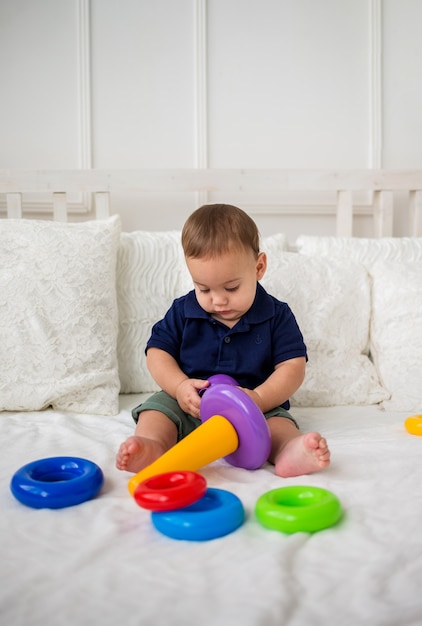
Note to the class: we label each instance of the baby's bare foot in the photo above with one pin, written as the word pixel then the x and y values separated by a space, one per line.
pixel 136 453
pixel 304 454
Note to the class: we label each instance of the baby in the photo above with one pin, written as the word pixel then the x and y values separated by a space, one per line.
pixel 227 325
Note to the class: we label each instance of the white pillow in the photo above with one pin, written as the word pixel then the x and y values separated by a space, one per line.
pixel 331 302
pixel 366 251
pixel 151 273
pixel 58 316
pixel 396 332
pixel 274 244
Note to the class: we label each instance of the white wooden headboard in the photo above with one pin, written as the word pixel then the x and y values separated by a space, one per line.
pixel 380 185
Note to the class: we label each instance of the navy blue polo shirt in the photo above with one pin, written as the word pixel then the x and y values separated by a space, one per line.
pixel 202 346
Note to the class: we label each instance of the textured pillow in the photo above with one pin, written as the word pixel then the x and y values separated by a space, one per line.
pixel 331 302
pixel 396 332
pixel 274 244
pixel 58 316
pixel 151 273
pixel 365 251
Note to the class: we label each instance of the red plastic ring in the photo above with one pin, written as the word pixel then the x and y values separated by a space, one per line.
pixel 170 491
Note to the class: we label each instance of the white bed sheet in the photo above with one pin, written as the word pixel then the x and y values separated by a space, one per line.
pixel 102 562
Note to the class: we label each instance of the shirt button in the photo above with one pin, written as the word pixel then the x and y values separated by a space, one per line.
pixel 227 339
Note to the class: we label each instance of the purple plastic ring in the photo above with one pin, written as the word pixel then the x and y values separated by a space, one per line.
pixel 246 418
pixel 219 379
pixel 222 379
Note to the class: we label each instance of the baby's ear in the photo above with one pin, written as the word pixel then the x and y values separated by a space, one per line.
pixel 261 265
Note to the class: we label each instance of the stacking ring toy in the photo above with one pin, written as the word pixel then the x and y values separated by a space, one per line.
pixel 413 424
pixel 216 514
pixel 298 509
pixel 219 379
pixel 56 482
pixel 170 491
pixel 222 379
pixel 232 427
pixel 247 419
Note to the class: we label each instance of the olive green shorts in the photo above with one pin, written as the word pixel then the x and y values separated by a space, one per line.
pixel 185 423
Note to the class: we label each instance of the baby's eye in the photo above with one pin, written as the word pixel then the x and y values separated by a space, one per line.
pixel 203 290
pixel 231 289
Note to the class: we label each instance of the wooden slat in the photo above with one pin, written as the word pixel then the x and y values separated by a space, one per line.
pixel 415 213
pixel 14 205
pixel 383 214
pixel 102 205
pixel 59 207
pixel 344 218
pixel 251 182
pixel 208 180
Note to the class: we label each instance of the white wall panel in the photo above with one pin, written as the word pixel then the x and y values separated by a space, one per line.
pixel 288 83
pixel 39 71
pixel 402 84
pixel 217 83
pixel 142 83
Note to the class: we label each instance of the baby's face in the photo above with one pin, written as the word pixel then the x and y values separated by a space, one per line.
pixel 225 286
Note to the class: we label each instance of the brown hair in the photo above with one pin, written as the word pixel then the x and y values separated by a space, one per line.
pixel 215 229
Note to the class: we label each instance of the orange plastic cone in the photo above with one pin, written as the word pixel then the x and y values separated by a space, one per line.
pixel 212 440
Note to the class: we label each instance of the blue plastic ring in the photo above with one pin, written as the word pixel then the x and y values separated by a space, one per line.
pixel 216 514
pixel 56 482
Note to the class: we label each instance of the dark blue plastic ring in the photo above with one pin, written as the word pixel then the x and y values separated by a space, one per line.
pixel 216 514
pixel 56 482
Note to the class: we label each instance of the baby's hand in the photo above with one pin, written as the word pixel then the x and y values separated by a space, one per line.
pixel 187 395
pixel 254 395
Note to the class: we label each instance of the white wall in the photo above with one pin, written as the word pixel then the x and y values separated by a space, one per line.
pixel 213 83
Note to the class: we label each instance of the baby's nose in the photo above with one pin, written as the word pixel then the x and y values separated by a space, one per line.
pixel 219 298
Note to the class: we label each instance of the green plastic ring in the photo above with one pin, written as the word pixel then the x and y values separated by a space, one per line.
pixel 298 509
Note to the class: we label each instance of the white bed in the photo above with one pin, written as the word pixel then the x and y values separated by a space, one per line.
pixel 103 562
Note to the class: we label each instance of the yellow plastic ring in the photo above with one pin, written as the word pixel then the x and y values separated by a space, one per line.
pixel 298 509
pixel 413 424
